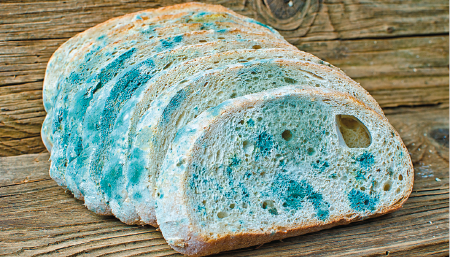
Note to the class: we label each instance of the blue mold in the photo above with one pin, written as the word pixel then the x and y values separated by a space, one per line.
pixel 365 160
pixel 361 201
pixel 295 193
pixel 264 142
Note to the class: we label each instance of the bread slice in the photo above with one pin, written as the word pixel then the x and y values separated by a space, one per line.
pixel 179 104
pixel 104 151
pixel 85 80
pixel 149 23
pixel 277 164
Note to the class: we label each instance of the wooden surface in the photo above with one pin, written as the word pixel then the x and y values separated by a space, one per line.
pixel 40 218
pixel 397 50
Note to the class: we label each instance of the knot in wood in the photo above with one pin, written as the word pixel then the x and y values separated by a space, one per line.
pixel 295 16
pixel 440 135
pixel 285 9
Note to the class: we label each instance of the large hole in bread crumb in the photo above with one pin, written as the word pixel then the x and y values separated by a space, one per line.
pixel 222 214
pixel 270 206
pixel 387 186
pixel 352 132
pixel 267 203
pixel 287 135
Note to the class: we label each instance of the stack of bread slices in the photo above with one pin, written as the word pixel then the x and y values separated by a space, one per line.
pixel 211 126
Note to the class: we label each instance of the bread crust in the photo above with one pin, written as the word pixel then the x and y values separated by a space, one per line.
pixel 85 38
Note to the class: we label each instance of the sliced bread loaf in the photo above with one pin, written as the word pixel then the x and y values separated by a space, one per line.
pixel 79 87
pixel 179 104
pixel 130 206
pixel 277 164
pixel 104 143
pixel 141 50
pixel 265 164
pixel 90 124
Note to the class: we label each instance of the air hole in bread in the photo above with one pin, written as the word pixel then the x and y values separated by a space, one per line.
pixel 222 214
pixel 232 206
pixel 387 186
pixel 267 204
pixel 256 47
pixel 248 147
pixel 400 177
pixel 311 151
pixel 287 135
pixel 374 184
pixel 202 41
pixel 233 95
pixel 352 132
pixel 290 80
pixel 168 65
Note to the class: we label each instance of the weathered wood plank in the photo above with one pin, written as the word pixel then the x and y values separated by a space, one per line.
pixel 404 71
pixel 347 19
pixel 401 71
pixel 335 19
pixel 40 218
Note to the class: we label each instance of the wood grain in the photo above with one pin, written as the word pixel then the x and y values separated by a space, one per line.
pixel 40 218
pixel 398 50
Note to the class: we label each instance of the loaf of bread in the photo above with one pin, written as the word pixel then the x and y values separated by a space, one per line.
pixel 211 126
